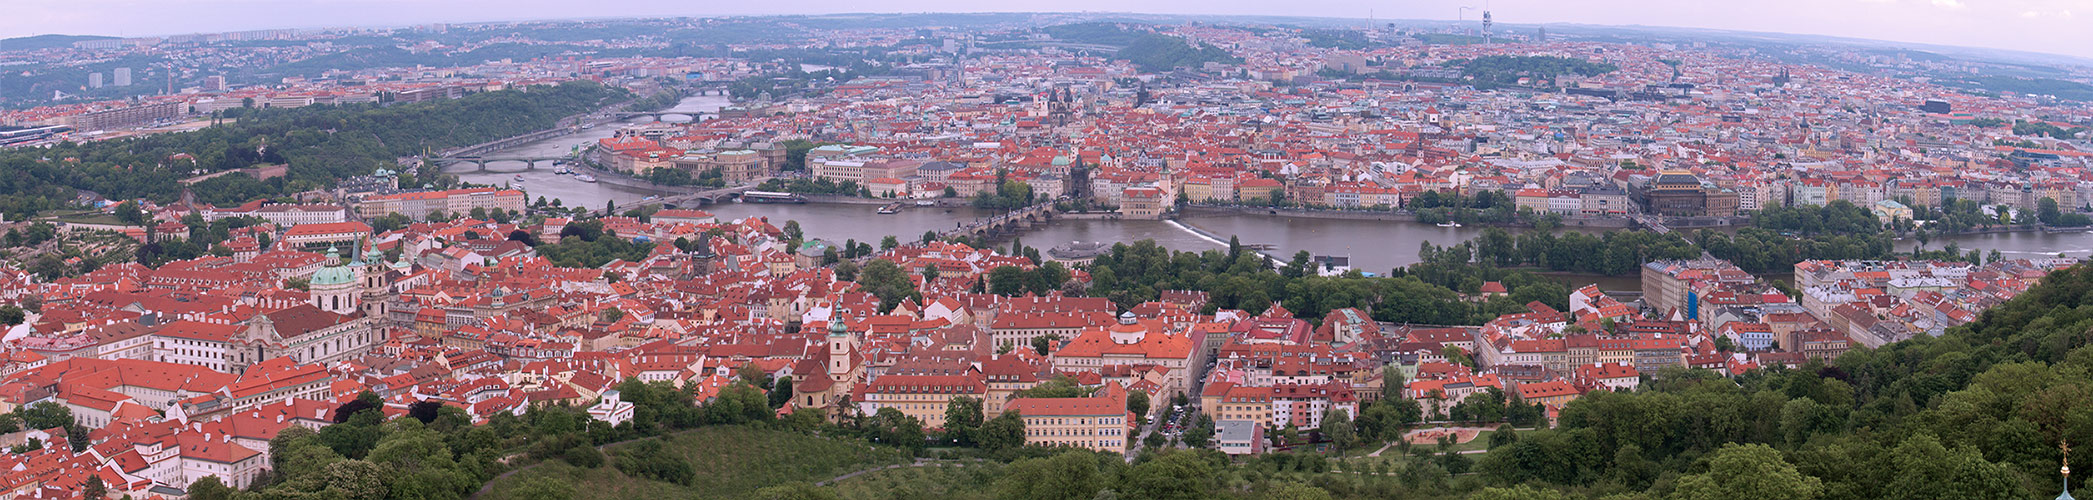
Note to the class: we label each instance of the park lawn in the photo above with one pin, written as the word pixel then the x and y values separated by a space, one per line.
pixel 82 217
pixel 944 481
pixel 1481 442
pixel 730 462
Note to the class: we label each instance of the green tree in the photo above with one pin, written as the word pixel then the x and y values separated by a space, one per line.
pixel 847 271
pixel 356 479
pixel 1302 265
pixel 1008 281
pixel 390 222
pixel 794 491
pixel 2047 211
pixel 1137 403
pixel 1747 471
pixel 1391 383
pixel 1295 491
pixel 1927 470
pixel 209 488
pixel 297 452
pixel 45 415
pixel 1006 431
pixel 94 489
pixel 649 459
pixel 1337 427
pixel 1043 344
pixel 1069 475
pixel 963 420
pixel 781 392
pixel 12 315
pixel 1520 492
pixel 1176 474
pixel 544 486
pixel 884 279
pixel 129 213
pixel 890 426
pixel 1200 433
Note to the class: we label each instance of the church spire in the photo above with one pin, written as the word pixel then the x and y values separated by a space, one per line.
pixel 2066 471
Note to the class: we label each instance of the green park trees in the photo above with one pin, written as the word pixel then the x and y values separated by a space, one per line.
pixel 890 426
pixel 963 420
pixel 884 279
pixel 1006 431
pixel 1747 471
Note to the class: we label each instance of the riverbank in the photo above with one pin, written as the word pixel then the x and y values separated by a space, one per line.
pixel 837 199
pixel 1376 215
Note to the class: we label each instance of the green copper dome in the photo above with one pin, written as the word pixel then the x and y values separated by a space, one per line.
pixel 333 275
pixel 836 326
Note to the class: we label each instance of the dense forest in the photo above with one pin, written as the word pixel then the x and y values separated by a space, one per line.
pixel 586 244
pixel 1778 239
pixel 1097 33
pixel 1241 279
pixel 1976 413
pixel 1151 51
pixel 320 143
pixel 1156 52
pixel 1336 39
pixel 1500 71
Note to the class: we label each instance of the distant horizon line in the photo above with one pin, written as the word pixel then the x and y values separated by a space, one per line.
pixel 2073 59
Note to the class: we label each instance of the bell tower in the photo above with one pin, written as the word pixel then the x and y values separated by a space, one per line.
pixel 840 344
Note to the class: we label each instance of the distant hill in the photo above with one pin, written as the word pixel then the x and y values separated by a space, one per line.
pixel 46 41
pixel 1149 50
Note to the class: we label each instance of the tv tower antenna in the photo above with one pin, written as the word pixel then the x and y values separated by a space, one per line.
pixel 1486 22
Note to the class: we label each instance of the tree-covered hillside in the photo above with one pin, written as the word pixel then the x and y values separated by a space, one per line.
pixel 320 143
pixel 1497 71
pixel 1150 50
pixel 1977 413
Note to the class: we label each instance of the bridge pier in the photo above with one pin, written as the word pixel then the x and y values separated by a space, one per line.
pixel 480 165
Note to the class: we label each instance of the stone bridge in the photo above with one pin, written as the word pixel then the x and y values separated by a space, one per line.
pixel 707 197
pixel 1005 222
pixel 480 162
pixel 657 115
pixel 1651 222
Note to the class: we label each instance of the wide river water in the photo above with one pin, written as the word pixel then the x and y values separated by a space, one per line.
pixel 1374 246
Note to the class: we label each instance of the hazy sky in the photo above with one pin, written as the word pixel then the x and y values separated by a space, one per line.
pixel 2053 26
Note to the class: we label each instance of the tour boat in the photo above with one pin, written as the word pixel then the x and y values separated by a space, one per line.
pixel 586 178
pixel 1449 224
pixel 561 171
pixel 890 208
pixel 519 177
